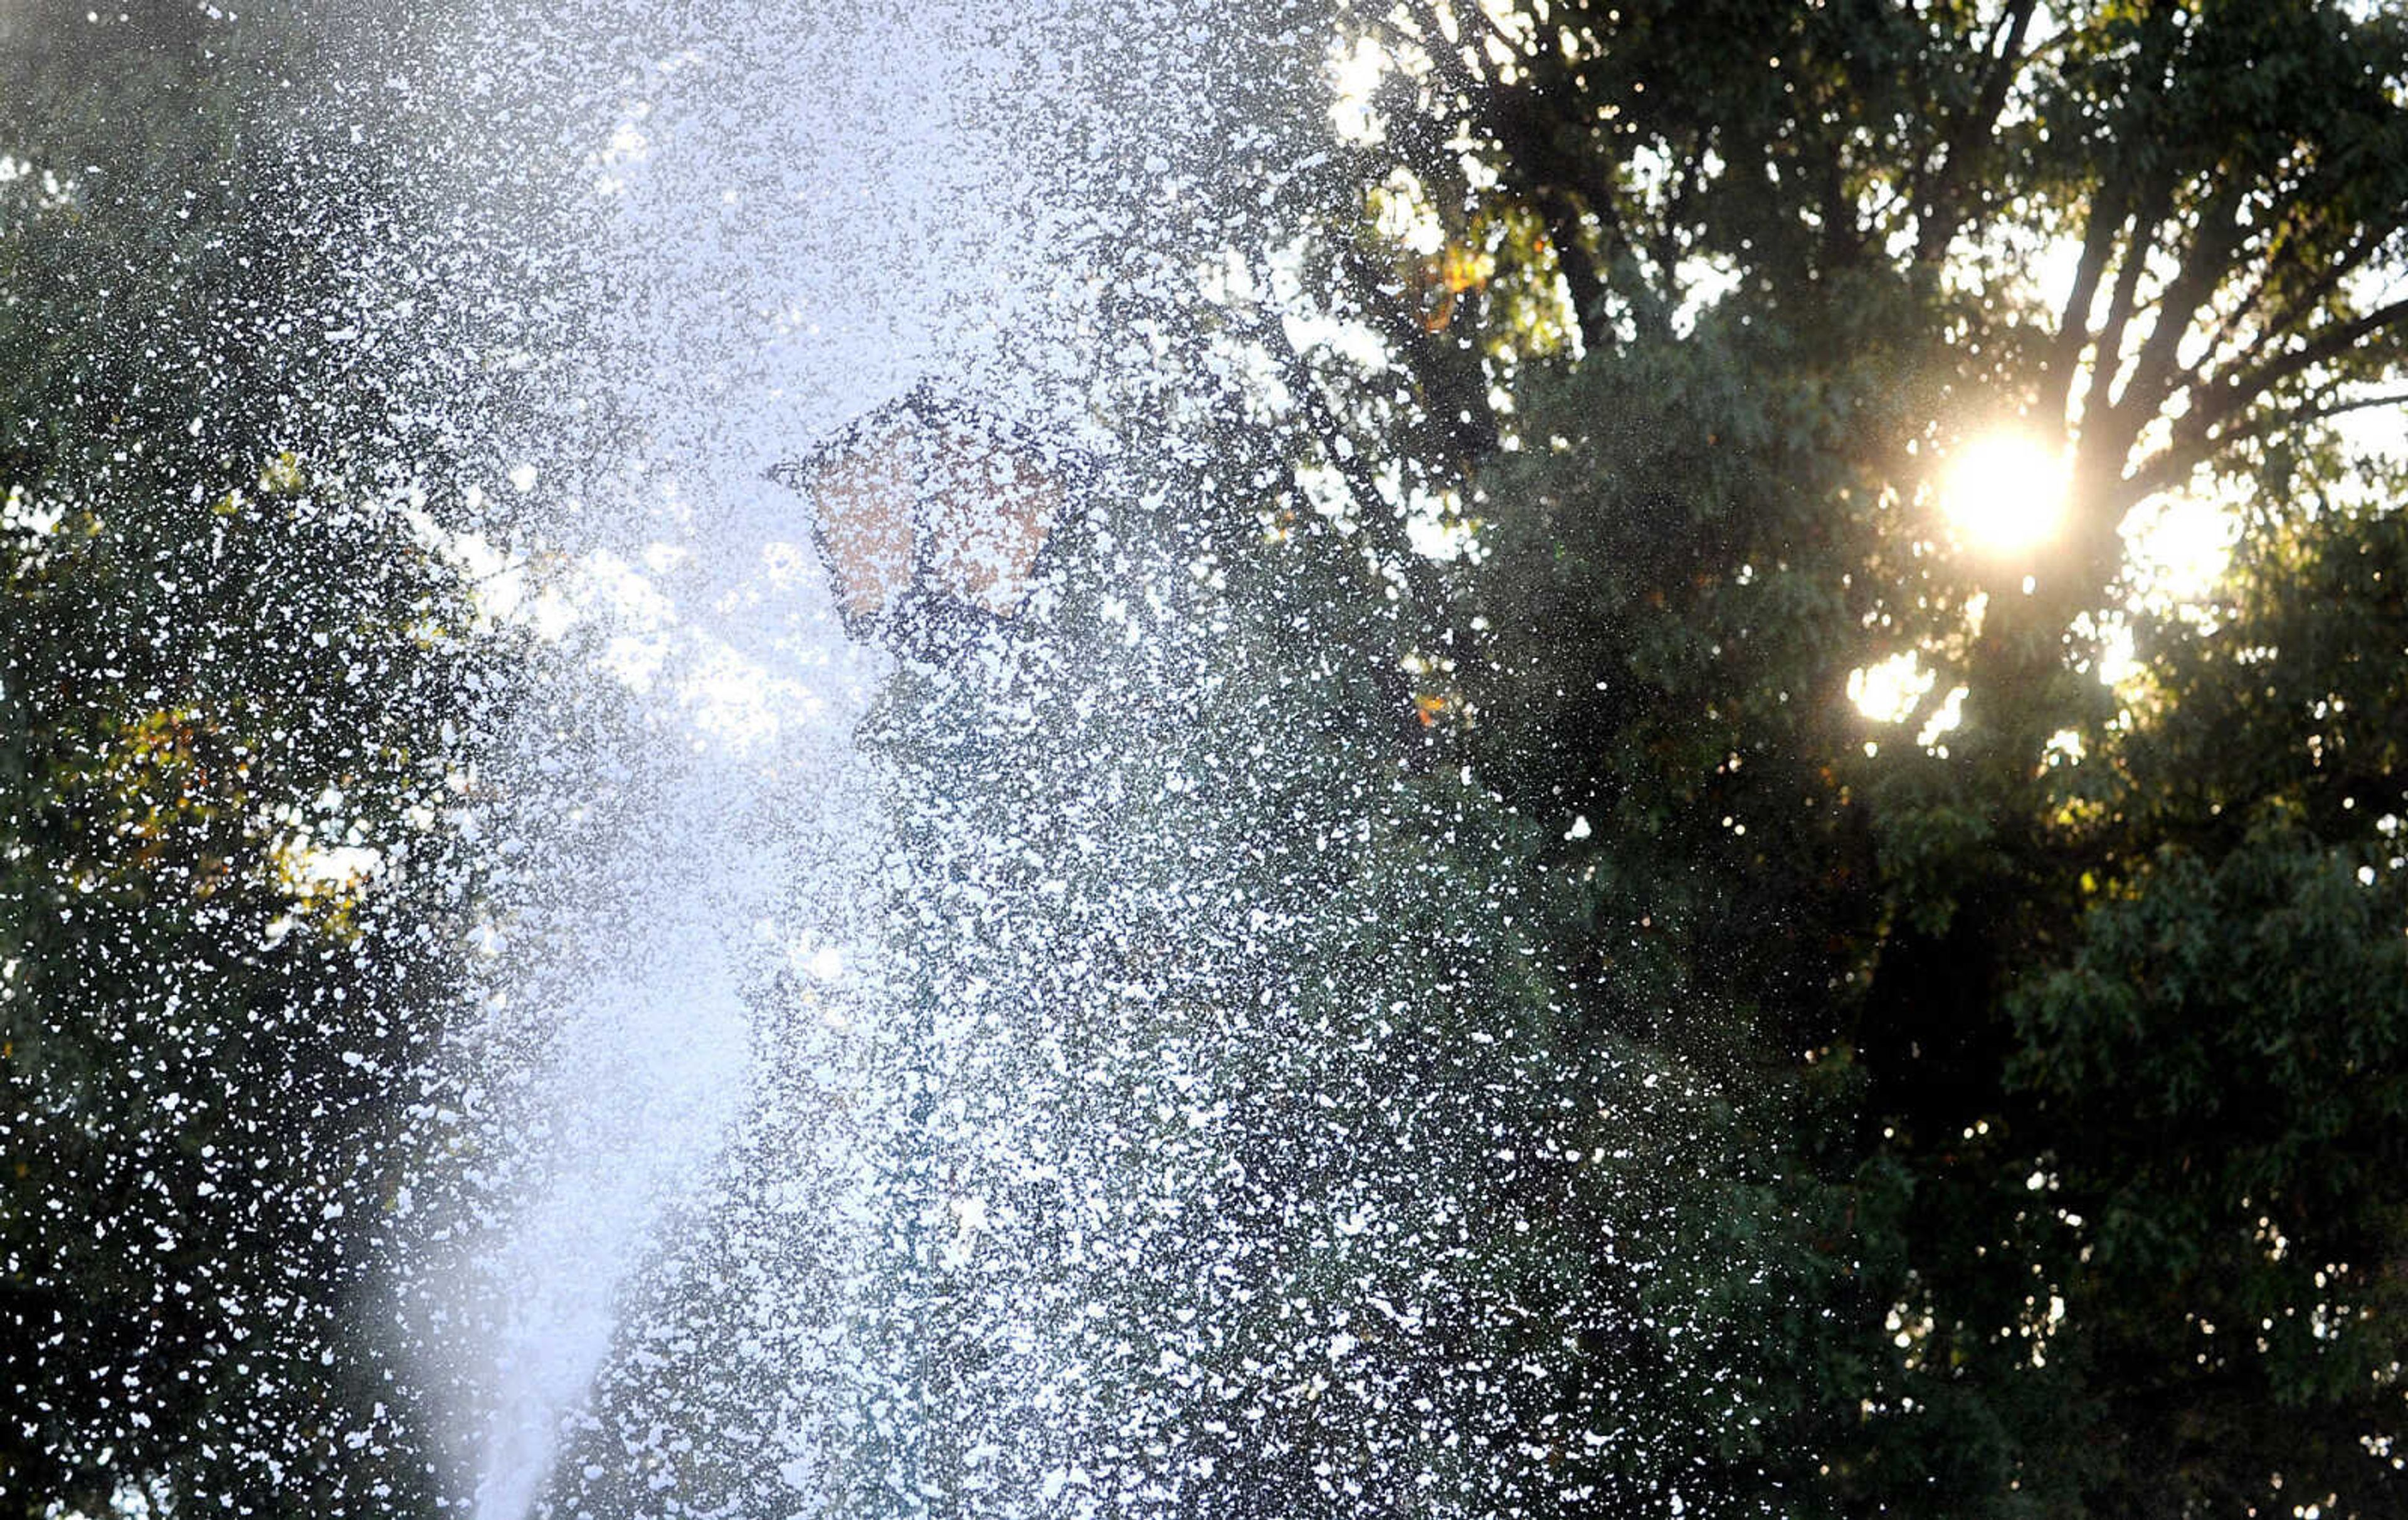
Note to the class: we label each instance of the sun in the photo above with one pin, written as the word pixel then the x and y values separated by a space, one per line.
pixel 2005 492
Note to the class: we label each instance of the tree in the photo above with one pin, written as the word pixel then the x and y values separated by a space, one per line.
pixel 229 672
pixel 1747 279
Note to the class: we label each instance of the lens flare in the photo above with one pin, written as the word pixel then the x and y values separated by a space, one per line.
pixel 2005 493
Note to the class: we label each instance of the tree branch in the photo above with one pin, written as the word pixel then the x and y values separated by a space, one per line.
pixel 2154 373
pixel 1453 393
pixel 1531 167
pixel 1511 44
pixel 2227 398
pixel 1561 213
pixel 2109 211
pixel 2364 402
pixel 1940 213
pixel 2283 250
pixel 1445 57
pixel 2173 465
pixel 2107 353
pixel 1378 518
pixel 2303 306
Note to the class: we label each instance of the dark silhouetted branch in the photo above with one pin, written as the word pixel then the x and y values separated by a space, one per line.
pixel 1941 211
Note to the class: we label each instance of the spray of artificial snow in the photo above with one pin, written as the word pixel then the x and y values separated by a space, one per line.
pixel 792 219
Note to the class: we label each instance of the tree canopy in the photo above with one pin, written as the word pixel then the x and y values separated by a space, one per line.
pixel 229 676
pixel 2063 909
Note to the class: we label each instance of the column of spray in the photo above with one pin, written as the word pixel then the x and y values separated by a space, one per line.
pixel 787 220
pixel 736 178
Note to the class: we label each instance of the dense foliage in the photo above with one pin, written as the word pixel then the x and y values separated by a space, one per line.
pixel 2077 960
pixel 227 671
